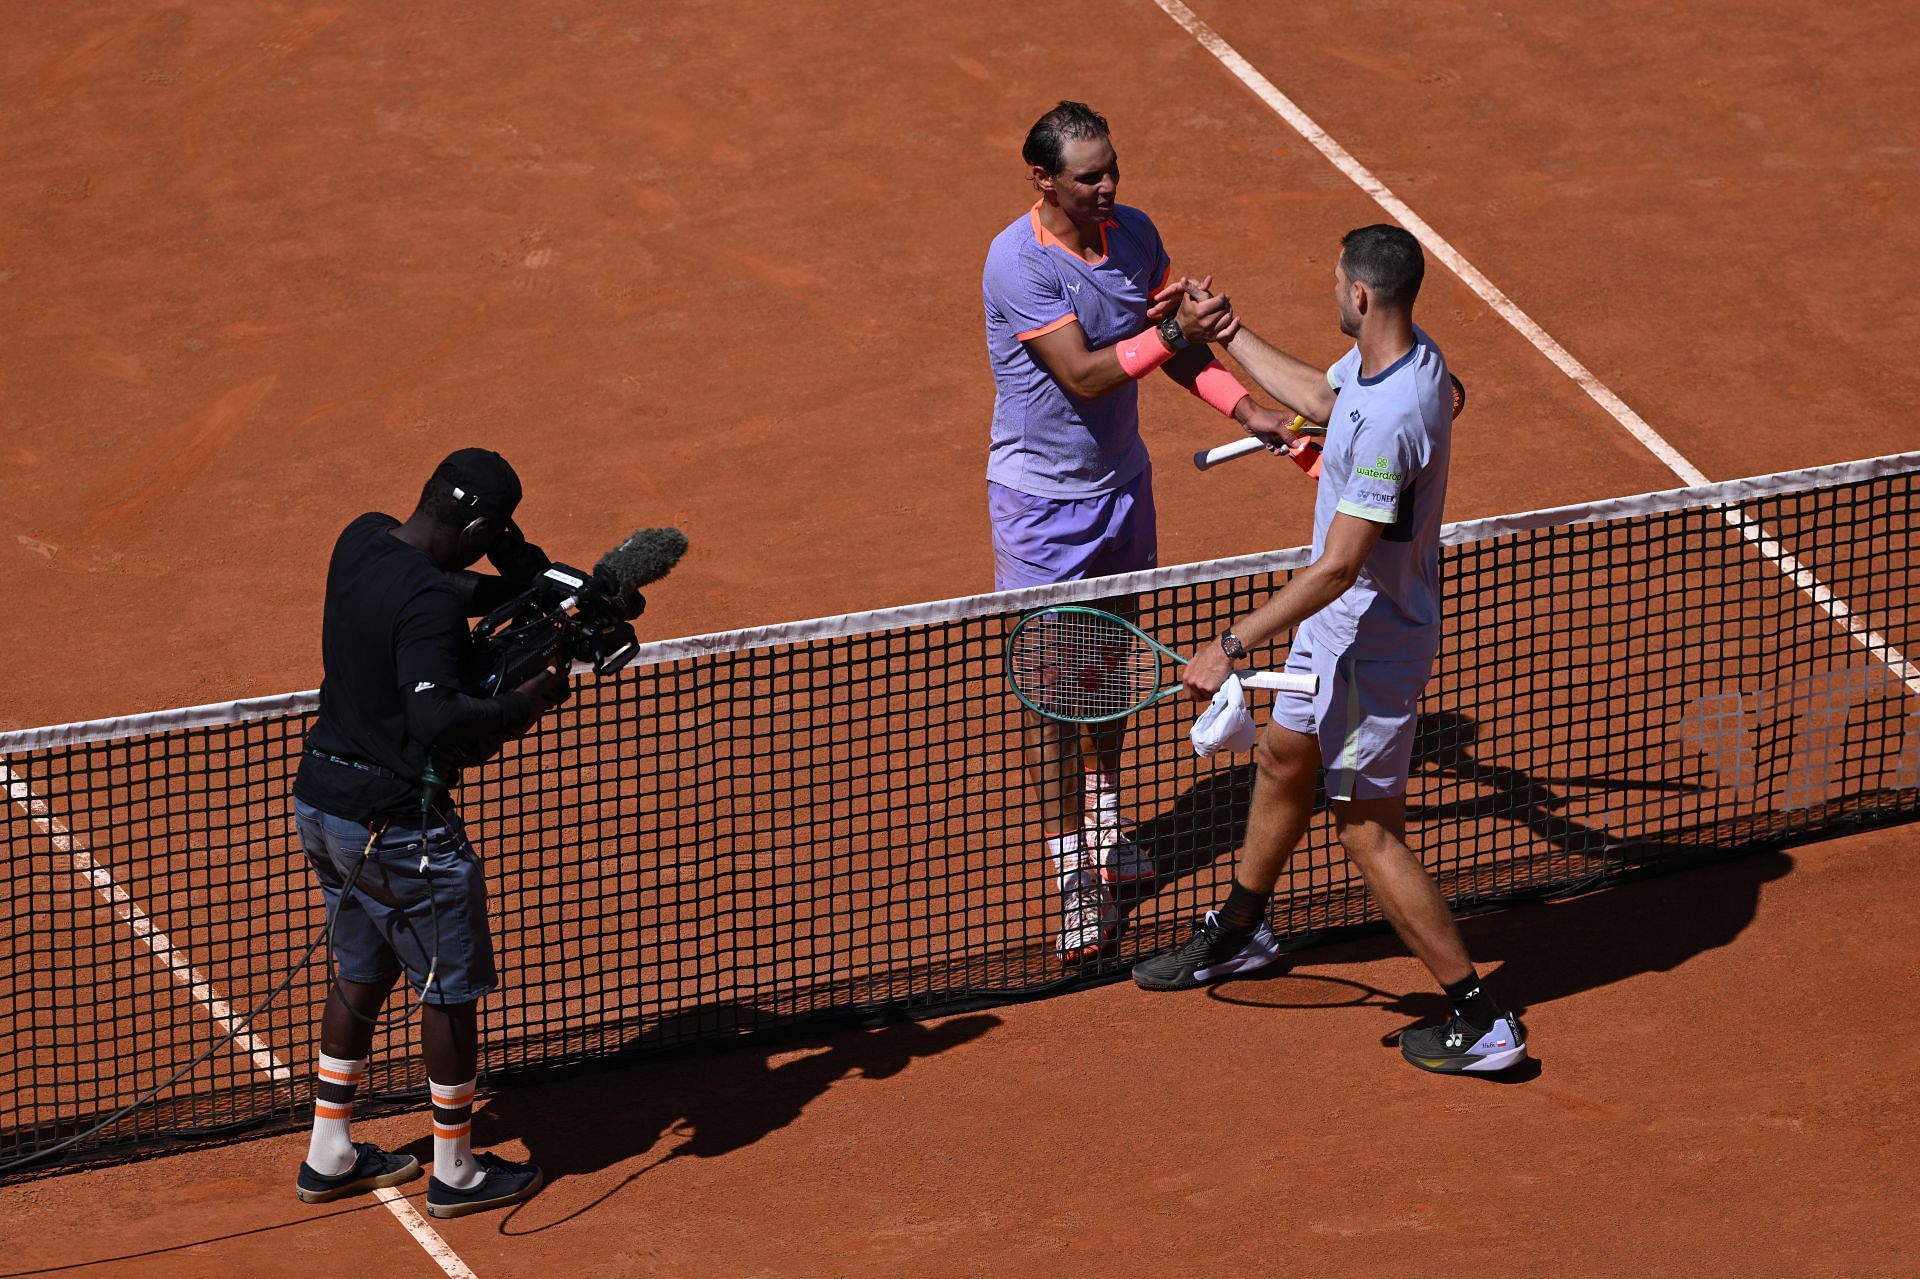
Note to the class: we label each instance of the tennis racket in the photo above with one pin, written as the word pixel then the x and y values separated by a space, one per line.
pixel 1085 665
pixel 1305 452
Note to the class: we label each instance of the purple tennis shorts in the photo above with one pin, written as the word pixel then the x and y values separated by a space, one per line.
pixel 1040 540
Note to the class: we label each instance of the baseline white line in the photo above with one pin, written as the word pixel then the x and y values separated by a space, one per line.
pixel 1284 107
pixel 265 1060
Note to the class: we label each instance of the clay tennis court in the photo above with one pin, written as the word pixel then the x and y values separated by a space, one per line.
pixel 718 268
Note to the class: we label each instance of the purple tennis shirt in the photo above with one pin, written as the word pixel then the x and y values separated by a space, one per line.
pixel 1046 442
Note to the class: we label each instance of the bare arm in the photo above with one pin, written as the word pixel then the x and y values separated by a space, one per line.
pixel 1295 383
pixel 1350 540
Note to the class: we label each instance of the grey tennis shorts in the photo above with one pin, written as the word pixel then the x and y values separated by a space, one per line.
pixel 1364 716
pixel 403 916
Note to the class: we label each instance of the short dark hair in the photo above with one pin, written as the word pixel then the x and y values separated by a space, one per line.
pixel 1069 122
pixel 1387 259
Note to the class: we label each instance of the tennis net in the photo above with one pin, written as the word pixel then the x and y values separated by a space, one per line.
pixel 793 827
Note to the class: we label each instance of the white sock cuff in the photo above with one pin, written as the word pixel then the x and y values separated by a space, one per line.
pixel 341 1071
pixel 452 1095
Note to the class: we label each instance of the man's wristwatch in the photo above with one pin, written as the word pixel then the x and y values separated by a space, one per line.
pixel 1170 333
pixel 1230 645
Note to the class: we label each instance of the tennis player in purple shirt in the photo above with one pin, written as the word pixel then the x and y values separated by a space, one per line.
pixel 1068 287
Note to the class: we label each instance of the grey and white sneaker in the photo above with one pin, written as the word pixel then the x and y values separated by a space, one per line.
pixel 1088 919
pixel 1126 862
pixel 1458 1047
pixel 1210 954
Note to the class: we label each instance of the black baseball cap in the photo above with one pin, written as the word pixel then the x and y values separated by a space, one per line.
pixel 481 479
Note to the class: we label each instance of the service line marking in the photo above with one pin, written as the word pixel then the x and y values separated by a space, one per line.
pixel 1876 644
pixel 203 991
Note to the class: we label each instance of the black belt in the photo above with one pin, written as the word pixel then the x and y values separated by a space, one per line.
pixel 360 764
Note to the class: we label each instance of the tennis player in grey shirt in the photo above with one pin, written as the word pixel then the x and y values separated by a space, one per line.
pixel 1366 617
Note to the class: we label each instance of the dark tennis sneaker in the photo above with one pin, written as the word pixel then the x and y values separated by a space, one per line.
pixel 372 1168
pixel 1211 953
pixel 503 1183
pixel 1457 1047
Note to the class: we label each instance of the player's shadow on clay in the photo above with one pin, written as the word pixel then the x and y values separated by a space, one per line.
pixel 1206 823
pixel 1536 954
pixel 1209 820
pixel 700 1106
pixel 1545 951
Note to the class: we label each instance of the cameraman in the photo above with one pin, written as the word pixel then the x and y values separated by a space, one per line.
pixel 395 628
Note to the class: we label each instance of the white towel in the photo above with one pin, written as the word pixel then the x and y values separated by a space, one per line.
pixel 1226 723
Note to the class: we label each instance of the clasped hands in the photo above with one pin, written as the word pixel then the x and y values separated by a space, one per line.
pixel 1206 316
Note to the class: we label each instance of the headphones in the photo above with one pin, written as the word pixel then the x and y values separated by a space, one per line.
pixel 474 526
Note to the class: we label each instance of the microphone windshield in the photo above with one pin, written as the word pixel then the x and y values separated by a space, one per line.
pixel 646 556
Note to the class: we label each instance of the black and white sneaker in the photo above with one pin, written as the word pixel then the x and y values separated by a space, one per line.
pixel 1458 1047
pixel 503 1182
pixel 1211 953
pixel 372 1169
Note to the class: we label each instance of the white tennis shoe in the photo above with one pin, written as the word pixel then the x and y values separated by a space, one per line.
pixel 1088 919
pixel 1118 855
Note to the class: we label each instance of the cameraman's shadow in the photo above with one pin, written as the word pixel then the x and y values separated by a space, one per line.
pixel 699 1106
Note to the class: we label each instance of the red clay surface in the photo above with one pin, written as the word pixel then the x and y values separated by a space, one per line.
pixel 264 263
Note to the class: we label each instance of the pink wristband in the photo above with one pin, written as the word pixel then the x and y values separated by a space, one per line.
pixel 1219 388
pixel 1142 353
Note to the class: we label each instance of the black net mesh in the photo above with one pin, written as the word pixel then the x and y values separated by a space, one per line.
pixel 760 839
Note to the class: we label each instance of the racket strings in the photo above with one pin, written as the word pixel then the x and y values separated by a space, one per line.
pixel 1080 666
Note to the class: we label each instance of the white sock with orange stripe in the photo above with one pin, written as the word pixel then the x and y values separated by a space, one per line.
pixel 330 1152
pixel 453 1163
pixel 1066 853
pixel 1103 803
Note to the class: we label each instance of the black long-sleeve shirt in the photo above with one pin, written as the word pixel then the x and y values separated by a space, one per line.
pixel 390 645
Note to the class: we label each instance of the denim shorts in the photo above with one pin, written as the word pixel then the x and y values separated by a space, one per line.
pixel 1041 540
pixel 405 914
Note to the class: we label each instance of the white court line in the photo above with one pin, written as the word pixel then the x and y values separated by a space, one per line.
pixel 122 905
pixel 1876 644
pixel 265 1060
pixel 1284 107
pixel 425 1235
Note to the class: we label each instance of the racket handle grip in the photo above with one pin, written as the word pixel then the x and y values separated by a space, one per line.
pixel 1281 682
pixel 1304 452
pixel 1207 459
